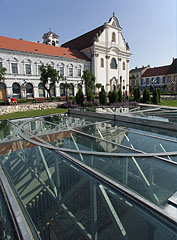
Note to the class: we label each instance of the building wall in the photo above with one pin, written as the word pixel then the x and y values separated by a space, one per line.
pixel 105 49
pixel 8 56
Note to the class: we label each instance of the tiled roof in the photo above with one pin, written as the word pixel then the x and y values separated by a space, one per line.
pixel 156 71
pixel 39 48
pixel 173 68
pixel 84 41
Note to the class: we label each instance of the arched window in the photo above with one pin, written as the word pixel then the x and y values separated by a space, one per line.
pixel 53 43
pixel 113 63
pixel 3 94
pixel 41 90
pixel 29 90
pixel 62 89
pixel 16 90
pixel 61 69
pixel 70 70
pixel 71 89
pixel 79 86
pixel 2 86
pixel 102 62
pixel 123 66
pixel 53 92
pixel 113 37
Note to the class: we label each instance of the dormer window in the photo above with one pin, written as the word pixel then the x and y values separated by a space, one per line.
pixel 113 37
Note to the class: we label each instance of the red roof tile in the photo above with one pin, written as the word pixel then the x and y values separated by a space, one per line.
pixel 40 48
pixel 156 71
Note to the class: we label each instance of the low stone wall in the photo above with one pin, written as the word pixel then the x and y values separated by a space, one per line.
pixel 25 107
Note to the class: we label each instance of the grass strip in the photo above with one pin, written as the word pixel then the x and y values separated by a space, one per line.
pixel 170 103
pixel 32 113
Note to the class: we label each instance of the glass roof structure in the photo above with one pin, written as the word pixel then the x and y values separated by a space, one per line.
pixel 89 174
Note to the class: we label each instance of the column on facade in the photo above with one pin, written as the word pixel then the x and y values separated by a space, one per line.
pixel 119 72
pixel 107 87
pixel 127 76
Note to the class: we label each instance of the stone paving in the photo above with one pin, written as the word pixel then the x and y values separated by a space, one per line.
pixel 25 107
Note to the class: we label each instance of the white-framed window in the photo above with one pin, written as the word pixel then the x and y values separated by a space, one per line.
pixel 70 70
pixel 14 68
pixel 61 70
pixel 38 69
pixel 28 69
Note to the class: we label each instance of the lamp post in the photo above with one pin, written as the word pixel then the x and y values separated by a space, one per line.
pixel 66 89
pixel 153 82
pixel 172 82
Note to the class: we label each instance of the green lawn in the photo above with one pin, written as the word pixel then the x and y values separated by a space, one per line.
pixel 170 103
pixel 33 113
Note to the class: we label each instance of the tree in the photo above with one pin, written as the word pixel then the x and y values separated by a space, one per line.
pixel 89 79
pixel 156 96
pixel 49 77
pixel 114 96
pixel 79 97
pixel 137 94
pixel 102 96
pixel 146 96
pixel 98 85
pixel 120 95
pixel 2 73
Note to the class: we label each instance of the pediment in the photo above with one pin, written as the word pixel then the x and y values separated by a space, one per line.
pixel 113 21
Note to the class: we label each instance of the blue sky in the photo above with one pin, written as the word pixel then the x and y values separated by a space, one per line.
pixel 149 26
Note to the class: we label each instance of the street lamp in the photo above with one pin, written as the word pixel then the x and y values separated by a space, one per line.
pixel 66 89
pixel 153 82
pixel 172 82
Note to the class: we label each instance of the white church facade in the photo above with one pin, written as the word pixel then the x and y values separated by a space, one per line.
pixel 103 51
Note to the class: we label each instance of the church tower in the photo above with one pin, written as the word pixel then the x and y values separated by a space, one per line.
pixel 50 38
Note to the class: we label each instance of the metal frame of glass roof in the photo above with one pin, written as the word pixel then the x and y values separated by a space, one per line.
pixel 105 186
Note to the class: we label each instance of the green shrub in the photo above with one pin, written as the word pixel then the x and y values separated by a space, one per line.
pixel 89 95
pixel 146 96
pixel 156 96
pixel 120 97
pixel 136 94
pixel 102 96
pixel 114 96
pixel 80 97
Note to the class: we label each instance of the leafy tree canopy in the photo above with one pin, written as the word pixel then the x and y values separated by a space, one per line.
pixel 49 77
pixel 2 73
pixel 89 79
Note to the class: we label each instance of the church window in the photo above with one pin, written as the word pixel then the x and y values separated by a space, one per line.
pixel 113 63
pixel 123 66
pixel 53 43
pixel 102 62
pixel 113 37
